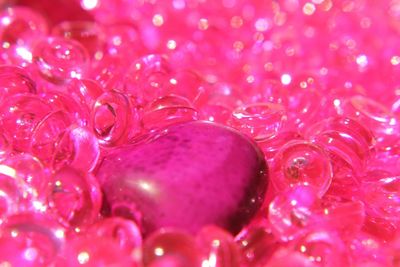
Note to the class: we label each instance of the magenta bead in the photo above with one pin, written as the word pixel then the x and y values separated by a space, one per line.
pixel 75 197
pixel 20 114
pixel 260 120
pixel 179 178
pixel 171 248
pixel 59 60
pixel 78 148
pixel 301 163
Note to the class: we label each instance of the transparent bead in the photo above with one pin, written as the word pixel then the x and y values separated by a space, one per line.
pixel 186 83
pixel 171 248
pixel 344 139
pixel 290 212
pixel 31 173
pixel 63 101
pixel 93 251
pixel 59 60
pixel 367 250
pixel 20 27
pixel 168 110
pixel 19 115
pixel 75 197
pixel 272 145
pixel 123 40
pixel 111 118
pixel 47 133
pixel 287 258
pixel 259 120
pixel 12 198
pixel 324 248
pixel 373 115
pixel 78 148
pixel 257 245
pixel 215 113
pixel 30 239
pixel 15 80
pixel 147 78
pixel 87 33
pixel 124 232
pixel 220 249
pixel 301 163
pixel 85 92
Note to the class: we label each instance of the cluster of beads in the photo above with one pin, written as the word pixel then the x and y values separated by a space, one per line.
pixel 313 82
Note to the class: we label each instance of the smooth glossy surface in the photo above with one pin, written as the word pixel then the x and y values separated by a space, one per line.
pixel 186 183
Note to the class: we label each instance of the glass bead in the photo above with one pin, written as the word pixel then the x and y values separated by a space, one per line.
pixel 111 118
pixel 30 239
pixel 93 251
pixel 47 133
pixel 58 59
pixel 123 232
pixel 87 33
pixel 290 212
pixel 220 249
pixel 78 148
pixel 166 111
pixel 171 248
pixel 259 120
pixel 75 197
pixel 147 78
pixel 20 27
pixel 15 80
pixel 301 163
pixel 19 115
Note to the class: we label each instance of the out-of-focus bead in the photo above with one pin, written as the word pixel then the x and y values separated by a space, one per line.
pixel 19 115
pixel 166 111
pixel 259 120
pixel 75 197
pixel 220 249
pixel 171 248
pixel 59 59
pixel 301 163
pixel 30 239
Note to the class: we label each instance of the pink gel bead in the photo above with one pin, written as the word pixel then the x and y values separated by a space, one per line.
pixel 123 232
pixel 171 248
pixel 147 77
pixel 15 80
pixel 287 258
pixel 373 115
pixel 111 118
pixel 257 245
pixel 75 197
pixel 78 148
pixel 301 163
pixel 290 212
pixel 59 60
pixel 272 145
pixel 28 169
pixel 260 120
pixel 19 116
pixel 85 92
pixel 168 110
pixel 20 27
pixel 366 250
pixel 215 113
pixel 47 133
pixel 323 248
pixel 87 33
pixel 30 239
pixel 123 40
pixel 220 249
pixel 93 251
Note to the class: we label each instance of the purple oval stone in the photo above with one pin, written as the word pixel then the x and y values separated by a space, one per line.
pixel 190 175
